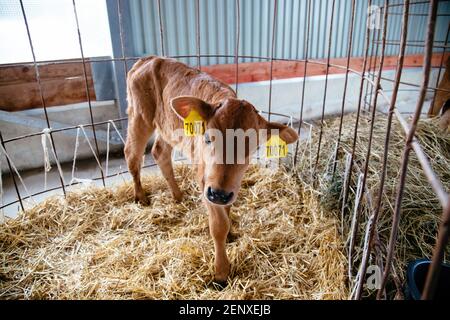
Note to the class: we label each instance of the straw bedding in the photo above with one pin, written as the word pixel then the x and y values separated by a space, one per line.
pixel 287 239
pixel 98 244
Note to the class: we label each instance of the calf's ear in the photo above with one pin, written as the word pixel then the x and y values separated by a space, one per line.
pixel 286 133
pixel 183 105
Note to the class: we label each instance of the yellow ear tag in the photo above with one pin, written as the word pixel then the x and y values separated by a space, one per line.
pixel 194 125
pixel 276 147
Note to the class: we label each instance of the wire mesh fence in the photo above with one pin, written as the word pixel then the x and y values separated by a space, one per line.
pixel 379 34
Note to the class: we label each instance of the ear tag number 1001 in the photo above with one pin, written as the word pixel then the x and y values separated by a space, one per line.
pixel 194 125
pixel 276 147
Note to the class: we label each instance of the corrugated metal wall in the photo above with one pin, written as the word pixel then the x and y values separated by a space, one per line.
pixel 218 28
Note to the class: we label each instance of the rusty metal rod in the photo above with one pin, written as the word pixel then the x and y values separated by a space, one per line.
pixel 11 172
pixel 100 123
pixel 371 59
pixel 398 74
pixel 418 45
pixel 197 32
pixel 355 132
pixel 272 50
pixel 41 94
pixel 330 32
pixel 408 144
pixel 344 94
pixel 122 49
pixel 302 99
pixel 236 54
pixel 61 129
pixel 121 36
pixel 369 147
pixel 420 14
pixel 414 3
pixel 88 96
pixel 161 30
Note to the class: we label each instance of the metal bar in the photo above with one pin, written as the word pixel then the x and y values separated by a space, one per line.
pixel 41 94
pixel 369 148
pixel 416 85
pixel 100 123
pixel 61 129
pixel 414 3
pixel 420 41
pixel 119 49
pixel 197 32
pixel 375 34
pixel 87 91
pixel 378 33
pixel 396 43
pixel 408 146
pixel 347 176
pixel 344 94
pixel 420 15
pixel 275 7
pixel 236 55
pixel 122 46
pixel 358 111
pixel 302 100
pixel 161 31
pixel 11 172
pixel 330 32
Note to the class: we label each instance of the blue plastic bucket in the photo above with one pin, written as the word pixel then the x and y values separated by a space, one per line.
pixel 416 276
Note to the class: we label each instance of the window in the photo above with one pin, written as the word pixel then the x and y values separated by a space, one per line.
pixel 53 30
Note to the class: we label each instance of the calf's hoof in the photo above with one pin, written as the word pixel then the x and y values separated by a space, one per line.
pixel 177 196
pixel 222 273
pixel 142 199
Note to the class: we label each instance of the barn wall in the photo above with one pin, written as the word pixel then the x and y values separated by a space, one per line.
pixel 218 26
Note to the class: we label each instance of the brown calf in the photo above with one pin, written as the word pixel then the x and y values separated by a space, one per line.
pixel 161 93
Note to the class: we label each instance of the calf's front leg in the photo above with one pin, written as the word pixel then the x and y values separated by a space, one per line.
pixel 219 226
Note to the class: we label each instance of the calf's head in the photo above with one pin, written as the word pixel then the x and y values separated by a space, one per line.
pixel 234 129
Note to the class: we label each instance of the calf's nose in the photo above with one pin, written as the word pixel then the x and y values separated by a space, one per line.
pixel 219 196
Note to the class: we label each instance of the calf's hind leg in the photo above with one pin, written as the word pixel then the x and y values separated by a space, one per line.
pixel 138 134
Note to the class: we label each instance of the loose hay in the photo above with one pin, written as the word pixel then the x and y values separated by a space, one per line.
pixel 98 244
pixel 421 210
